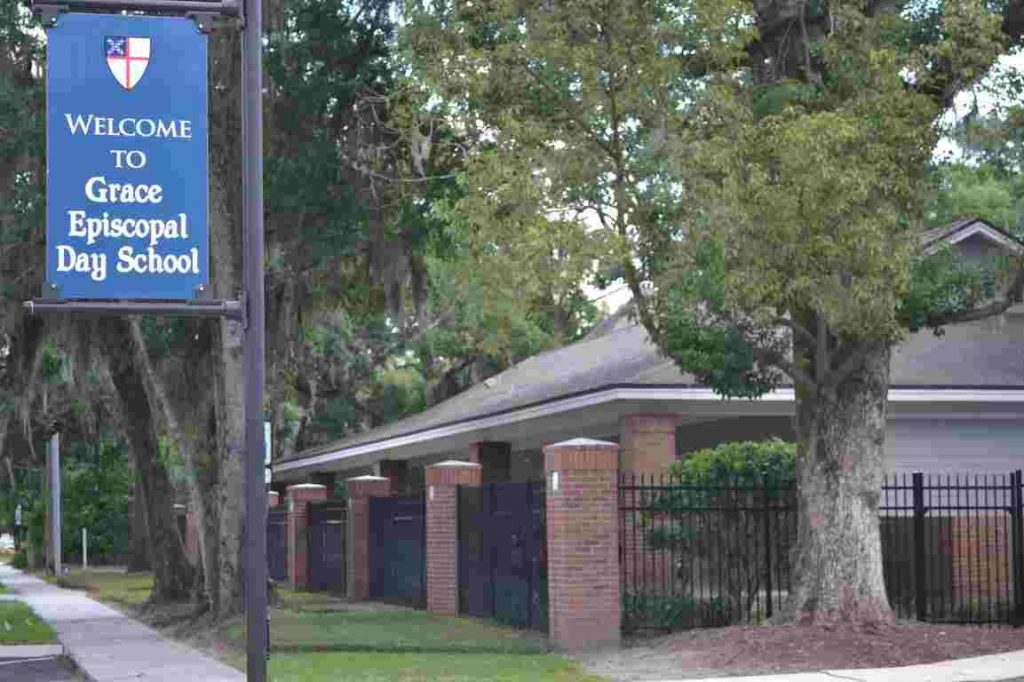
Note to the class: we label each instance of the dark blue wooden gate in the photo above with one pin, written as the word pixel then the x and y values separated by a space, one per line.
pixel 277 544
pixel 398 549
pixel 327 545
pixel 502 553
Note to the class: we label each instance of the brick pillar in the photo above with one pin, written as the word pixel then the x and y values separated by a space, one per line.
pixel 648 441
pixel 495 457
pixel 273 498
pixel 299 496
pixel 360 490
pixel 443 532
pixel 583 543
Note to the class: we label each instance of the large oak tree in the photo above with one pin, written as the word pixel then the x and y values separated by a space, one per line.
pixel 759 167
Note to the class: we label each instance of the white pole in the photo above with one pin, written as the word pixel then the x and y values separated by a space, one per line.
pixel 55 514
pixel 85 549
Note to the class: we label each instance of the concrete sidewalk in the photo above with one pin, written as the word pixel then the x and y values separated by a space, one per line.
pixel 108 646
pixel 1008 667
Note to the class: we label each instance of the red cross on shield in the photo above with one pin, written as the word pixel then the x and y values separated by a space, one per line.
pixel 127 59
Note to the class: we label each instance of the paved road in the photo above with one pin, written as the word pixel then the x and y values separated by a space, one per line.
pixel 37 670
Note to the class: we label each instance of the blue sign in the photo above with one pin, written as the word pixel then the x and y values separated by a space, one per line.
pixel 126 158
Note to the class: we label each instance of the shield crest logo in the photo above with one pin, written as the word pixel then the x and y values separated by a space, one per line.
pixel 127 58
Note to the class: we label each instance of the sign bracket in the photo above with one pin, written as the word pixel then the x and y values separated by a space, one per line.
pixel 232 310
pixel 230 8
pixel 49 13
pixel 205 21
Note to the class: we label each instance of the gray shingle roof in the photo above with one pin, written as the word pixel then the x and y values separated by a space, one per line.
pixel 989 353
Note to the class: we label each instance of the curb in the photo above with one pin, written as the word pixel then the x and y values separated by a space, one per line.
pixel 8 651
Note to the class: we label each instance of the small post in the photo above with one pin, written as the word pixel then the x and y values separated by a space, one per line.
pixel 85 549
pixel 1017 524
pixel 53 467
pixel 769 611
pixel 921 594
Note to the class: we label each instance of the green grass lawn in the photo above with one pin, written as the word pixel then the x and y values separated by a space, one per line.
pixel 113 586
pixel 3 589
pixel 391 631
pixel 319 637
pixel 313 638
pixel 18 625
pixel 417 667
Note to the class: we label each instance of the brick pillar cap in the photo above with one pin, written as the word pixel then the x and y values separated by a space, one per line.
pixel 454 463
pixel 581 454
pixel 588 443
pixel 179 506
pixel 368 477
pixel 307 486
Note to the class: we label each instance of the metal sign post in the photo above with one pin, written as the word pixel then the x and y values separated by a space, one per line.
pixel 126 228
pixel 257 629
pixel 53 468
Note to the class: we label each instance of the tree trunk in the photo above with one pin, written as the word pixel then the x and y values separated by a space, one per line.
pixel 837 567
pixel 224 517
pixel 140 553
pixel 172 572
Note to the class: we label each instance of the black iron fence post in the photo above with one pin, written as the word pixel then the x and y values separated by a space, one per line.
pixel 920 599
pixel 767 551
pixel 1017 528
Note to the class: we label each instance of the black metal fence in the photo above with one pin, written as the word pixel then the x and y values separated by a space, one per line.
pixel 953 547
pixel 702 555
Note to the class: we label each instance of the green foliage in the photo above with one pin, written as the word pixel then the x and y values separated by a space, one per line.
pixel 943 284
pixel 20 559
pixel 674 612
pixel 97 488
pixel 737 195
pixel 734 473
pixel 163 334
pixel 22 176
pixel 337 417
pixel 319 63
pixel 35 519
pixel 984 191
pixel 710 514
pixel 766 462
pixel 54 364
pixel 28 486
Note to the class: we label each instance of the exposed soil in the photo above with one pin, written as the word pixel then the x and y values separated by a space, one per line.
pixel 766 649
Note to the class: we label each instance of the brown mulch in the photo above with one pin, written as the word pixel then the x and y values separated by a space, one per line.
pixel 764 649
pixel 816 647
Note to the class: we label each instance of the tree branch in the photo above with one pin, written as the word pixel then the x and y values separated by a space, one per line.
pixel 799 377
pixel 797 329
pixel 821 361
pixel 850 362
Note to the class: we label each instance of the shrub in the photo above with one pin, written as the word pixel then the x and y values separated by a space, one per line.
pixel 770 463
pixel 675 611
pixel 19 560
pixel 712 517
